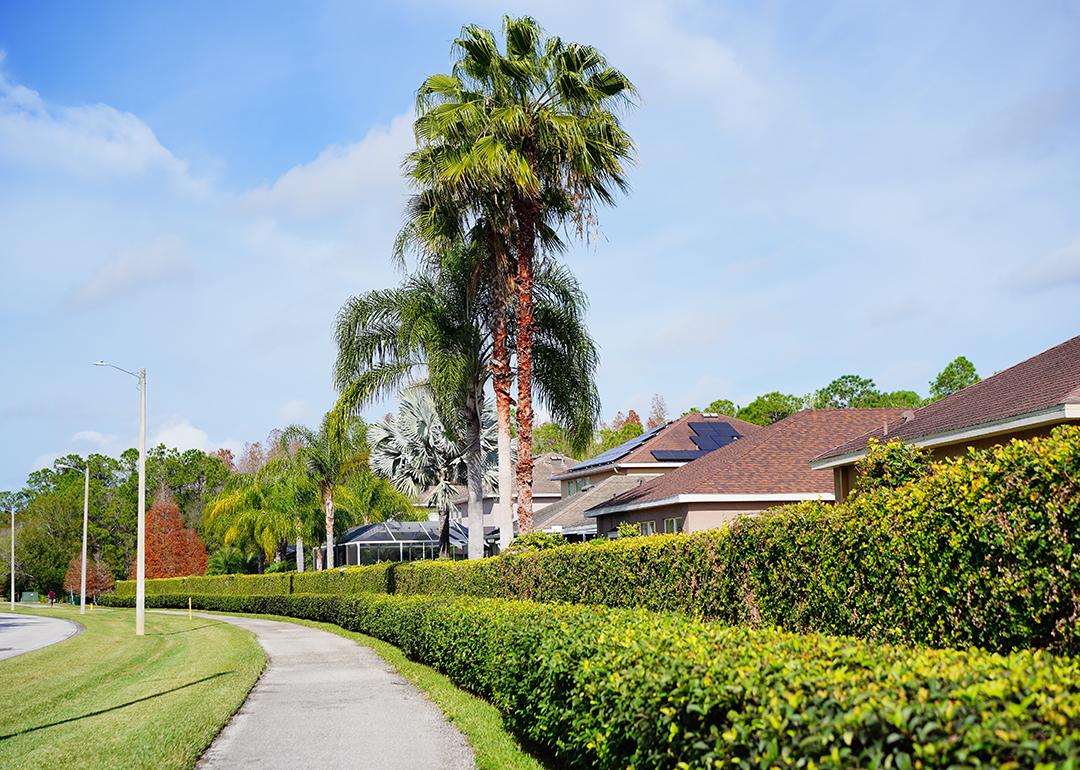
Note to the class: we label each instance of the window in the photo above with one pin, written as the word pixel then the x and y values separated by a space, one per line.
pixel 672 526
pixel 647 527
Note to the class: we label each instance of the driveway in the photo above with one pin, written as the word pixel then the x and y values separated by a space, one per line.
pixel 23 633
pixel 325 701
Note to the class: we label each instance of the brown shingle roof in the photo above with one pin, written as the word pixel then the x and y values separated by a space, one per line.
pixel 1049 379
pixel 570 511
pixel 544 467
pixel 774 460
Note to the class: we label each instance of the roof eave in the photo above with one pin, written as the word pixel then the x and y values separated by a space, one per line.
pixel 771 497
pixel 979 430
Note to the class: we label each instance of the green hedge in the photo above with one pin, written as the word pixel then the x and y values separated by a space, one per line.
pixel 345 580
pixel 985 551
pixel 609 688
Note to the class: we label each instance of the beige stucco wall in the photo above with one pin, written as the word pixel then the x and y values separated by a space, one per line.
pixel 696 516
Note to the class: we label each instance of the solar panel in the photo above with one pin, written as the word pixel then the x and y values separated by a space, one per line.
pixel 677 455
pixel 613 454
pixel 713 435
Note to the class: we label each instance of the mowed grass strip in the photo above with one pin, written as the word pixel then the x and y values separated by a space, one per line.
pixel 107 698
pixel 495 747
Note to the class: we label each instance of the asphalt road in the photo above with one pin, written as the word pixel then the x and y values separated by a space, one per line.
pixel 23 633
pixel 325 701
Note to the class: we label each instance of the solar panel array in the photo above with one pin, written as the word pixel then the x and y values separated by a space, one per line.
pixel 613 454
pixel 707 437
pixel 677 455
pixel 713 435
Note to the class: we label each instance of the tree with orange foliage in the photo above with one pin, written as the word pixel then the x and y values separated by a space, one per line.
pixel 171 549
pixel 98 577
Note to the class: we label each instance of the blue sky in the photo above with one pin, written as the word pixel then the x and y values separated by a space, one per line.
pixel 821 189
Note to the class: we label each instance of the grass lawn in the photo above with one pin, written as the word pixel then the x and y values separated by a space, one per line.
pixel 106 698
pixel 480 722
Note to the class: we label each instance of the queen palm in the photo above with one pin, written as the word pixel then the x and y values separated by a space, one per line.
pixel 433 324
pixel 326 459
pixel 529 132
pixel 264 509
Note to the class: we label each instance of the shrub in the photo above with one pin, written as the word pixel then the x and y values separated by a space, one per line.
pixel 536 541
pixel 609 688
pixel 982 551
pixel 627 529
pixel 890 465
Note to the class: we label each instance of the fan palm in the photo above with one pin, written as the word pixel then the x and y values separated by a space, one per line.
pixel 416 452
pixel 434 324
pixel 526 136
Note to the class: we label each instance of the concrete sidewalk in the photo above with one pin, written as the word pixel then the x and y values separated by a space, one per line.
pixel 325 701
pixel 23 633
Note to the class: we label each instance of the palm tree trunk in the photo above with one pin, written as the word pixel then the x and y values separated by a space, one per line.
pixel 328 504
pixel 502 379
pixel 444 533
pixel 474 475
pixel 318 557
pixel 527 210
pixel 299 549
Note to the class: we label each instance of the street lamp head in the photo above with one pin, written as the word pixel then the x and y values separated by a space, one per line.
pixel 100 363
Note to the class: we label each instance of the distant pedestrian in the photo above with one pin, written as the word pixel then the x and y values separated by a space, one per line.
pixel 52 597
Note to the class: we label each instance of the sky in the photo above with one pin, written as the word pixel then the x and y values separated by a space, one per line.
pixel 820 189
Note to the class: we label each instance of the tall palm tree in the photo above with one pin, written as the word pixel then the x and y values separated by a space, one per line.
pixel 434 324
pixel 530 131
pixel 417 453
pixel 328 458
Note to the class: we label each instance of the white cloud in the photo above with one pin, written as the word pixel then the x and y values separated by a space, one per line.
pixel 293 411
pixel 96 438
pixel 341 178
pixel 140 266
pixel 89 140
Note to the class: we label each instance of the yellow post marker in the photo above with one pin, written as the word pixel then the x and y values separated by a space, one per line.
pixel 189 608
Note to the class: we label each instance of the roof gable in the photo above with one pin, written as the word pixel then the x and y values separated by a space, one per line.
pixel 1042 382
pixel 772 461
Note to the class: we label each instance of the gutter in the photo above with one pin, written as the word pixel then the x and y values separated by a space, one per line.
pixel 958 435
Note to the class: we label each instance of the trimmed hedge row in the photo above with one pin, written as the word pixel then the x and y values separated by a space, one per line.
pixel 347 580
pixel 612 688
pixel 984 551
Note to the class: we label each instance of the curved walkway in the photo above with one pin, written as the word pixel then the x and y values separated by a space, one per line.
pixel 325 701
pixel 24 633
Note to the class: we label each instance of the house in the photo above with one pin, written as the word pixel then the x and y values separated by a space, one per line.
pixel 1026 400
pixel 397 541
pixel 546 490
pixel 618 470
pixel 768 468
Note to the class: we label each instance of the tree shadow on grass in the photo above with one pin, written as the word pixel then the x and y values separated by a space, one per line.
pixel 182 630
pixel 117 707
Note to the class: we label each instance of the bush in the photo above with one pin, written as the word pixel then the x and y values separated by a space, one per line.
pixel 611 688
pixel 890 465
pixel 982 551
pixel 536 541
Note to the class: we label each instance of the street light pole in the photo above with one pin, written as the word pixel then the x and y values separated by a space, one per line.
pixel 140 552
pixel 140 568
pixel 85 518
pixel 12 558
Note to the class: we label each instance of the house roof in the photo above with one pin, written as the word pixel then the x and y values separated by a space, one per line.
pixel 679 435
pixel 570 511
pixel 545 466
pixel 1040 386
pixel 772 463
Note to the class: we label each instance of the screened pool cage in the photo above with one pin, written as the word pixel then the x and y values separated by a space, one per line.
pixel 402 541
